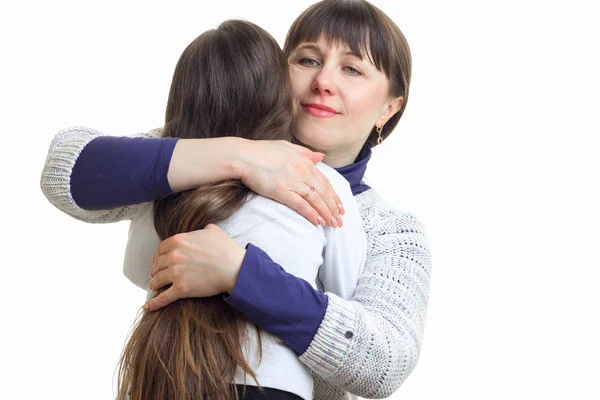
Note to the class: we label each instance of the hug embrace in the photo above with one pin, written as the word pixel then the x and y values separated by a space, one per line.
pixel 273 270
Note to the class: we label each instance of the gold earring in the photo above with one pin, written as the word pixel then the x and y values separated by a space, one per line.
pixel 379 139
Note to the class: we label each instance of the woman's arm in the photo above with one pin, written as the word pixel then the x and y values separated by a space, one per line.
pixel 69 176
pixel 100 178
pixel 95 178
pixel 367 345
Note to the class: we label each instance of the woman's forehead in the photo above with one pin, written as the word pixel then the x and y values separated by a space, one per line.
pixel 324 44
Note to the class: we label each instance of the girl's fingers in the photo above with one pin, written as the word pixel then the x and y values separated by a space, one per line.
pixel 159 280
pixel 163 299
pixel 160 264
pixel 163 248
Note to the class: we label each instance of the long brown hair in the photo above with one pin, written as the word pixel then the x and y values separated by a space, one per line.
pixel 368 32
pixel 230 81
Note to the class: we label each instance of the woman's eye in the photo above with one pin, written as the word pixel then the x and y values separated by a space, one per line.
pixel 308 62
pixel 352 71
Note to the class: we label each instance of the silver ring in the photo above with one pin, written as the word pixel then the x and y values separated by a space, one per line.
pixel 312 188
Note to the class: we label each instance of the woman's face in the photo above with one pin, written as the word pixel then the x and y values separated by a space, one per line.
pixel 338 98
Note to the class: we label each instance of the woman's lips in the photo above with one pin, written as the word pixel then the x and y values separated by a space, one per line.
pixel 319 110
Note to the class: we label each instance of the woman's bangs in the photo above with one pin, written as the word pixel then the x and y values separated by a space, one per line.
pixel 357 29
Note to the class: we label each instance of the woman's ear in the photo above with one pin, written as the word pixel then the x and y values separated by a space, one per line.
pixel 391 108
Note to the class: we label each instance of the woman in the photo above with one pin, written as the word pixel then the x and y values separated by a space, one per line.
pixel 365 346
pixel 196 348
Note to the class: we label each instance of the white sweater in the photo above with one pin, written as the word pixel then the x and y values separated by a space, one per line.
pixel 367 345
pixel 305 250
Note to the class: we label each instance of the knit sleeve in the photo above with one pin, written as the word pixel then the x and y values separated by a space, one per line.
pixel 371 343
pixel 56 179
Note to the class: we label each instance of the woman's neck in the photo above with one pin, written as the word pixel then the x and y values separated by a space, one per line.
pixel 342 157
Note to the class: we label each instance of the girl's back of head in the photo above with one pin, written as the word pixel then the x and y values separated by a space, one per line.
pixel 231 81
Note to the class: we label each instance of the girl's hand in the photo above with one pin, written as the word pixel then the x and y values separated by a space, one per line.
pixel 201 263
pixel 286 173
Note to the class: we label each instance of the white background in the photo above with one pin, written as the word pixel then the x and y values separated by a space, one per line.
pixel 496 154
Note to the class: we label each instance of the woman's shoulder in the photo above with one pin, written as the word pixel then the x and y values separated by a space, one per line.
pixel 371 200
pixel 153 133
pixel 377 211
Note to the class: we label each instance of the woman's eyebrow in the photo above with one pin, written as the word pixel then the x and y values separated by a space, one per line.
pixel 353 54
pixel 313 46
pixel 309 46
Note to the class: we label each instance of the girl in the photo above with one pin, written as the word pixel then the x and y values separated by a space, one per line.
pixel 196 348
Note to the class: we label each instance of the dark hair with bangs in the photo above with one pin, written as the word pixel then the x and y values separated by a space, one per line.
pixel 368 32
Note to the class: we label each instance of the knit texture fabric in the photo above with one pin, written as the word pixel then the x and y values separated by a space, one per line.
pixel 56 175
pixel 369 345
pixel 364 347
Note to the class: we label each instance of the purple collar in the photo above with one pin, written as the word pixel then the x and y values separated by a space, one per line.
pixel 354 172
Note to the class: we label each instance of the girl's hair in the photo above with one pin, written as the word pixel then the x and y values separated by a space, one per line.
pixel 230 81
pixel 368 32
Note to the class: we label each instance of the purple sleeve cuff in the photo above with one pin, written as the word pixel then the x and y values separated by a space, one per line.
pixel 118 171
pixel 280 303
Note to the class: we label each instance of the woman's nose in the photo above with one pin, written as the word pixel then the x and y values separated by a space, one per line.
pixel 324 82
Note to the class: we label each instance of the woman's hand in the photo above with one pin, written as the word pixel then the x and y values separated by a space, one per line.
pixel 201 263
pixel 286 173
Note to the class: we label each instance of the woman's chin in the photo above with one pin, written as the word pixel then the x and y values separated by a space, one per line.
pixel 315 141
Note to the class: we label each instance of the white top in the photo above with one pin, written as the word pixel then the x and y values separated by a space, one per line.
pixel 334 256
